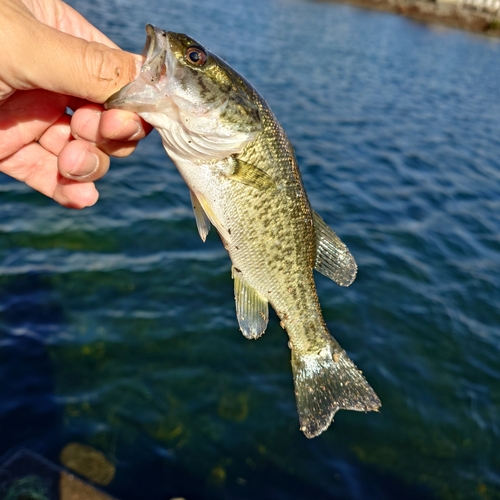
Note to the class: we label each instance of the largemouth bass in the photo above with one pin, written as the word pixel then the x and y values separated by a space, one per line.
pixel 244 180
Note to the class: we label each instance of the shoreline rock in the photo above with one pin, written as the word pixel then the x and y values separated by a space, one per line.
pixel 479 16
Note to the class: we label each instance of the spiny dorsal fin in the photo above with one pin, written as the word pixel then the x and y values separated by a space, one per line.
pixel 252 310
pixel 248 174
pixel 333 258
pixel 202 221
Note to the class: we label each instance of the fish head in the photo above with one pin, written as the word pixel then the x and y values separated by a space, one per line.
pixel 199 104
pixel 145 92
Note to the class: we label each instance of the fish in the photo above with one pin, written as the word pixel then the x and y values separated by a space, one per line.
pixel 244 180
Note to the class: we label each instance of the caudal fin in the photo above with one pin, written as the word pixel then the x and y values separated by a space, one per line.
pixel 326 382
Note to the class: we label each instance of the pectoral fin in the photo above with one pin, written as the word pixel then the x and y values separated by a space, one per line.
pixel 252 310
pixel 333 258
pixel 202 221
pixel 248 174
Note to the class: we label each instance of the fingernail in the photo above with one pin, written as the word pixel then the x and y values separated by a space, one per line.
pixel 87 166
pixel 131 127
pixel 136 129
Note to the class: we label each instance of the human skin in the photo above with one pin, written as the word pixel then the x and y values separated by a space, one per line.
pixel 52 59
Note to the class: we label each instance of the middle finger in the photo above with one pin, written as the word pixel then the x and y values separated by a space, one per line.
pixel 122 128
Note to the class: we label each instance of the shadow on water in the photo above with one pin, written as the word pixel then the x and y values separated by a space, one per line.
pixel 26 370
pixel 145 468
pixel 265 481
pixel 43 415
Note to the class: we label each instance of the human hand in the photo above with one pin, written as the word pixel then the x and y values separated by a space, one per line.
pixel 53 59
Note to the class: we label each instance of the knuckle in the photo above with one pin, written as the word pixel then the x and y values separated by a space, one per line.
pixel 107 67
pixel 99 63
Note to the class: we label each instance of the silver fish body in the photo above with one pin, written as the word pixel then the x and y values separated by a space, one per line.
pixel 244 179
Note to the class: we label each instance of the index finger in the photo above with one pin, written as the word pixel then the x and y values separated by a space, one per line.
pixel 120 125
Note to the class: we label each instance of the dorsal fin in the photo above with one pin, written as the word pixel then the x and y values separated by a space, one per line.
pixel 333 258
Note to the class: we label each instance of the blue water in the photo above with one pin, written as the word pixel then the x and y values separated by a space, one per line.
pixel 117 324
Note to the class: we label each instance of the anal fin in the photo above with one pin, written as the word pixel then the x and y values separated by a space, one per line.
pixel 333 258
pixel 202 221
pixel 252 310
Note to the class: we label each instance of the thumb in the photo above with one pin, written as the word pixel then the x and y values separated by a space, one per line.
pixel 89 70
pixel 43 57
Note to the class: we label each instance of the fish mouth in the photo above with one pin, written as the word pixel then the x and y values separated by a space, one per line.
pixel 142 94
pixel 154 52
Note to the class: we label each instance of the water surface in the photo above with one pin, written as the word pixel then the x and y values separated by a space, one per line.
pixel 117 324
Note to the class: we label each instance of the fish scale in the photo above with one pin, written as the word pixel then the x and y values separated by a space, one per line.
pixel 244 179
pixel 284 217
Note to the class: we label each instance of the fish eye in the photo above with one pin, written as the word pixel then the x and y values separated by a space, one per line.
pixel 196 55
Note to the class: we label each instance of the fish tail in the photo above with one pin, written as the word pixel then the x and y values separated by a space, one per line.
pixel 325 382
